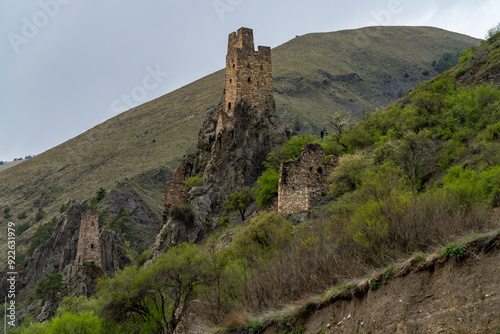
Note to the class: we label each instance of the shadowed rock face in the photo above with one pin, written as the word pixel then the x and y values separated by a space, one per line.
pixel 241 147
pixel 57 251
pixel 60 249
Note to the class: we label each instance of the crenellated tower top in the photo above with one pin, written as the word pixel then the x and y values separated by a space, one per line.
pixel 248 74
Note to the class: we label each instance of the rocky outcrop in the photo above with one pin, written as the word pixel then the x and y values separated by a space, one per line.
pixel 57 251
pixel 81 279
pixel 242 145
pixel 114 256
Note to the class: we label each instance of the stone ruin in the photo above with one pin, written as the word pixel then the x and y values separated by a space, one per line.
pixel 89 241
pixel 303 180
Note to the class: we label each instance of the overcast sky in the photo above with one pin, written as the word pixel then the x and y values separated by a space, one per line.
pixel 68 65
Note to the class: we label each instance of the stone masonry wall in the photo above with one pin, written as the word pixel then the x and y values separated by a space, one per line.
pixel 89 241
pixel 248 75
pixel 303 180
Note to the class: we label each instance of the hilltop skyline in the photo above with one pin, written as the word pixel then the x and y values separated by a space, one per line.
pixel 70 66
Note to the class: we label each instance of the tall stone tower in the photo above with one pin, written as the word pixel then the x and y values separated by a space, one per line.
pixel 248 75
pixel 89 242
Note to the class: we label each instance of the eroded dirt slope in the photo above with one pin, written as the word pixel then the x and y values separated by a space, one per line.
pixel 438 296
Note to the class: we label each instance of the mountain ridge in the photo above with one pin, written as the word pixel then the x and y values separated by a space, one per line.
pixel 147 141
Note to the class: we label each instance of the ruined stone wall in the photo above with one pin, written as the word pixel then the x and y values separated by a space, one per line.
pixel 89 241
pixel 248 75
pixel 303 180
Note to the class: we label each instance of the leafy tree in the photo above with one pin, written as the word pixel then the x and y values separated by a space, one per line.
pixel 50 284
pixel 413 153
pixel 288 151
pixel 158 296
pixel 341 121
pixel 239 201
pixel 346 177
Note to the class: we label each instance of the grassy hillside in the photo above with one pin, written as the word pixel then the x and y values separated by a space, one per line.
pixel 314 75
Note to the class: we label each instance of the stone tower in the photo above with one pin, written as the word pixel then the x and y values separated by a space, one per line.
pixel 248 75
pixel 89 242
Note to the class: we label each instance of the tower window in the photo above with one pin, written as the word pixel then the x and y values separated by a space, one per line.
pixel 230 80
pixel 234 65
pixel 91 245
pixel 249 80
pixel 229 105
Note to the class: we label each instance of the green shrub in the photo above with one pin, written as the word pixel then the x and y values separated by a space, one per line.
pixel 23 227
pixel 454 250
pixel 466 54
pixel 374 286
pixel 39 214
pixel 22 215
pixel 193 181
pixel 346 176
pixel 183 212
pixel 6 212
pixel 266 233
pixel 255 325
pixel 267 187
pixel 288 151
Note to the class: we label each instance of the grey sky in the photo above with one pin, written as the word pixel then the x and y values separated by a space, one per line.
pixel 68 65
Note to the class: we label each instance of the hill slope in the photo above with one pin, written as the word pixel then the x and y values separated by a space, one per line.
pixel 314 74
